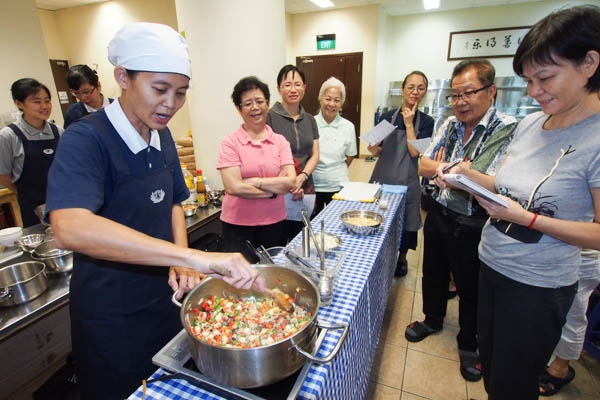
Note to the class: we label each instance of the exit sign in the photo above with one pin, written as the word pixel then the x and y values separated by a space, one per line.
pixel 326 42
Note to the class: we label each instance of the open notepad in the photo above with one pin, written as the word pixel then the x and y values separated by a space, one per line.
pixel 466 184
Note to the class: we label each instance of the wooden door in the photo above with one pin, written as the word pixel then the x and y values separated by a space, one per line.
pixel 59 72
pixel 345 67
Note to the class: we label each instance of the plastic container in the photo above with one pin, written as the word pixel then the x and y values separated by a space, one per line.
pixel 189 182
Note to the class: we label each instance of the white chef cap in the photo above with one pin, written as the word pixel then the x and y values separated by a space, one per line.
pixel 145 46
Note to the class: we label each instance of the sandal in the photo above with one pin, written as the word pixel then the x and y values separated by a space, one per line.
pixel 550 384
pixel 417 331
pixel 401 269
pixel 470 365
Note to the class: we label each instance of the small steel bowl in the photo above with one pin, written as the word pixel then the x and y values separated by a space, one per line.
pixel 56 260
pixel 373 218
pixel 28 243
pixel 189 208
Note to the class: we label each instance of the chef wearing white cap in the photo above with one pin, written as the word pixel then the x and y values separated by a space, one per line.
pixel 114 196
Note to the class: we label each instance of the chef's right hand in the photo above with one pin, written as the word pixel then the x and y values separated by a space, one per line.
pixel 237 271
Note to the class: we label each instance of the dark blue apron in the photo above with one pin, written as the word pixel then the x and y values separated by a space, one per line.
pixel 32 184
pixel 121 314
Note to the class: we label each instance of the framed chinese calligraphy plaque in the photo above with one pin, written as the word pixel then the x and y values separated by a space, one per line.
pixel 486 43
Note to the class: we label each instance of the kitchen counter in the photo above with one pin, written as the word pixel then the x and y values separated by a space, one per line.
pixel 359 300
pixel 15 318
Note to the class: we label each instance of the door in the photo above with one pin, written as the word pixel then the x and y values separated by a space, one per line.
pixel 345 67
pixel 59 72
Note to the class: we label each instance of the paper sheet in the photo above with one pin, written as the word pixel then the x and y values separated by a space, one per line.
pixel 358 191
pixel 294 208
pixel 420 144
pixel 378 133
pixel 466 184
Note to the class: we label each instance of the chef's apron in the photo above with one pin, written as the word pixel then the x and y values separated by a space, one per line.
pixel 121 314
pixel 32 184
pixel 395 166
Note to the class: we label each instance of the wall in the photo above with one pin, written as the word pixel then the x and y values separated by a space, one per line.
pixel 250 41
pixel 25 55
pixel 356 30
pixel 81 35
pixel 420 41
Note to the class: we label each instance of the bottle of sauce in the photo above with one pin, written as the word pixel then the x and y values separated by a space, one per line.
pixel 201 194
pixel 189 182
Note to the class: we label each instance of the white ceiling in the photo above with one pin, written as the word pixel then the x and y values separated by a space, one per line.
pixel 392 7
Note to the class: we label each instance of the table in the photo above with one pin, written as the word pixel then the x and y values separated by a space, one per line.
pixel 360 299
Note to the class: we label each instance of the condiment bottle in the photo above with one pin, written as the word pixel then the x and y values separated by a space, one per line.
pixel 201 189
pixel 189 182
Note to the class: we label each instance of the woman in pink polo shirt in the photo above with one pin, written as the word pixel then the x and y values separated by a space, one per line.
pixel 256 167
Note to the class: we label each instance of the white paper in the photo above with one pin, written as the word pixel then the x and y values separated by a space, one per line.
pixel 463 182
pixel 378 133
pixel 294 208
pixel 420 144
pixel 358 191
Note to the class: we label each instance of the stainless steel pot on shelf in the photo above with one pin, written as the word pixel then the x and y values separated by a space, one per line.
pixel 259 366
pixel 22 282
pixel 57 260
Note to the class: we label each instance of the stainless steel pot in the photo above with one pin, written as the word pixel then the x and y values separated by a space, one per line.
pixel 57 260
pixel 259 366
pixel 22 282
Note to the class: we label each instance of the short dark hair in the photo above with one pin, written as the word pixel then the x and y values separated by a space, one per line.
pixel 415 73
pixel 80 74
pixel 25 87
pixel 566 34
pixel 485 70
pixel 286 70
pixel 248 83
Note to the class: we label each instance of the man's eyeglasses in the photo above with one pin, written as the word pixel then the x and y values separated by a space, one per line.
pixel 419 89
pixel 466 95
pixel 296 85
pixel 83 93
pixel 248 104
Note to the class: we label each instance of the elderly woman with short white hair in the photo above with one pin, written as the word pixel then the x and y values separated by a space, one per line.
pixel 337 143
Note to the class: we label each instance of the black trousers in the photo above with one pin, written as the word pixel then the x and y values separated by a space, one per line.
pixel 320 199
pixel 451 242
pixel 519 326
pixel 267 235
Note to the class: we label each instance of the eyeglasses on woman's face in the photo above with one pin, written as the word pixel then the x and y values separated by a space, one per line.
pixel 418 89
pixel 83 93
pixel 290 85
pixel 259 102
pixel 466 95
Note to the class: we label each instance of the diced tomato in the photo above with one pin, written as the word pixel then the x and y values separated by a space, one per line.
pixel 195 310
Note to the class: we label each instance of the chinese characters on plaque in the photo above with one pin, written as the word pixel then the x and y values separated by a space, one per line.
pixel 486 43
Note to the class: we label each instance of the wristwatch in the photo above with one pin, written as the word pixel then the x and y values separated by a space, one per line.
pixel 305 174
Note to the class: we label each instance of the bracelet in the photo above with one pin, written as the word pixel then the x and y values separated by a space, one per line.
pixel 273 196
pixel 530 227
pixel 305 174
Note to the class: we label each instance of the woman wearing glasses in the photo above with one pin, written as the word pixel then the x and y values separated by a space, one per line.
pixel 530 250
pixel 289 119
pixel 256 167
pixel 28 146
pixel 398 159
pixel 85 86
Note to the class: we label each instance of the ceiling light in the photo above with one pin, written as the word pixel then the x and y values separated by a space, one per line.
pixel 323 3
pixel 431 4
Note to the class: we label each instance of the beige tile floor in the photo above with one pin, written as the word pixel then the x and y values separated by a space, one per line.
pixel 430 369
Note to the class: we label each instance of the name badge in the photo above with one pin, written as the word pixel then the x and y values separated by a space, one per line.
pixel 48 151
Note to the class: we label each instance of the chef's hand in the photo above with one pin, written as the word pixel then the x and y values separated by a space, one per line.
pixel 513 213
pixel 236 270
pixel 408 115
pixel 183 280
pixel 375 149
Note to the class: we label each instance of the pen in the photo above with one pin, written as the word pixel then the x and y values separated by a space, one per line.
pixel 448 168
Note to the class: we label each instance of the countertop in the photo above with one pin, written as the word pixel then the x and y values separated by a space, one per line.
pixel 15 318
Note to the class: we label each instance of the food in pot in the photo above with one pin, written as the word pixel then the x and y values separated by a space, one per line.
pixel 361 221
pixel 189 206
pixel 245 323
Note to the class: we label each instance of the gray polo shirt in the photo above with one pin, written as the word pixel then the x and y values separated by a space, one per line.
pixel 12 155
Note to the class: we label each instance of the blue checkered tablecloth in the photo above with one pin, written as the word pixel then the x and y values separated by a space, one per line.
pixel 360 298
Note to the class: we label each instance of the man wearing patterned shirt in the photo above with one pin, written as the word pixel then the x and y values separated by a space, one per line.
pixel 479 135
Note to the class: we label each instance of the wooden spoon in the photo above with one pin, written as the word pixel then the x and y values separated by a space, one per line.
pixel 280 298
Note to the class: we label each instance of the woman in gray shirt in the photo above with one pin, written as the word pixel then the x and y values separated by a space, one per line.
pixel 530 250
